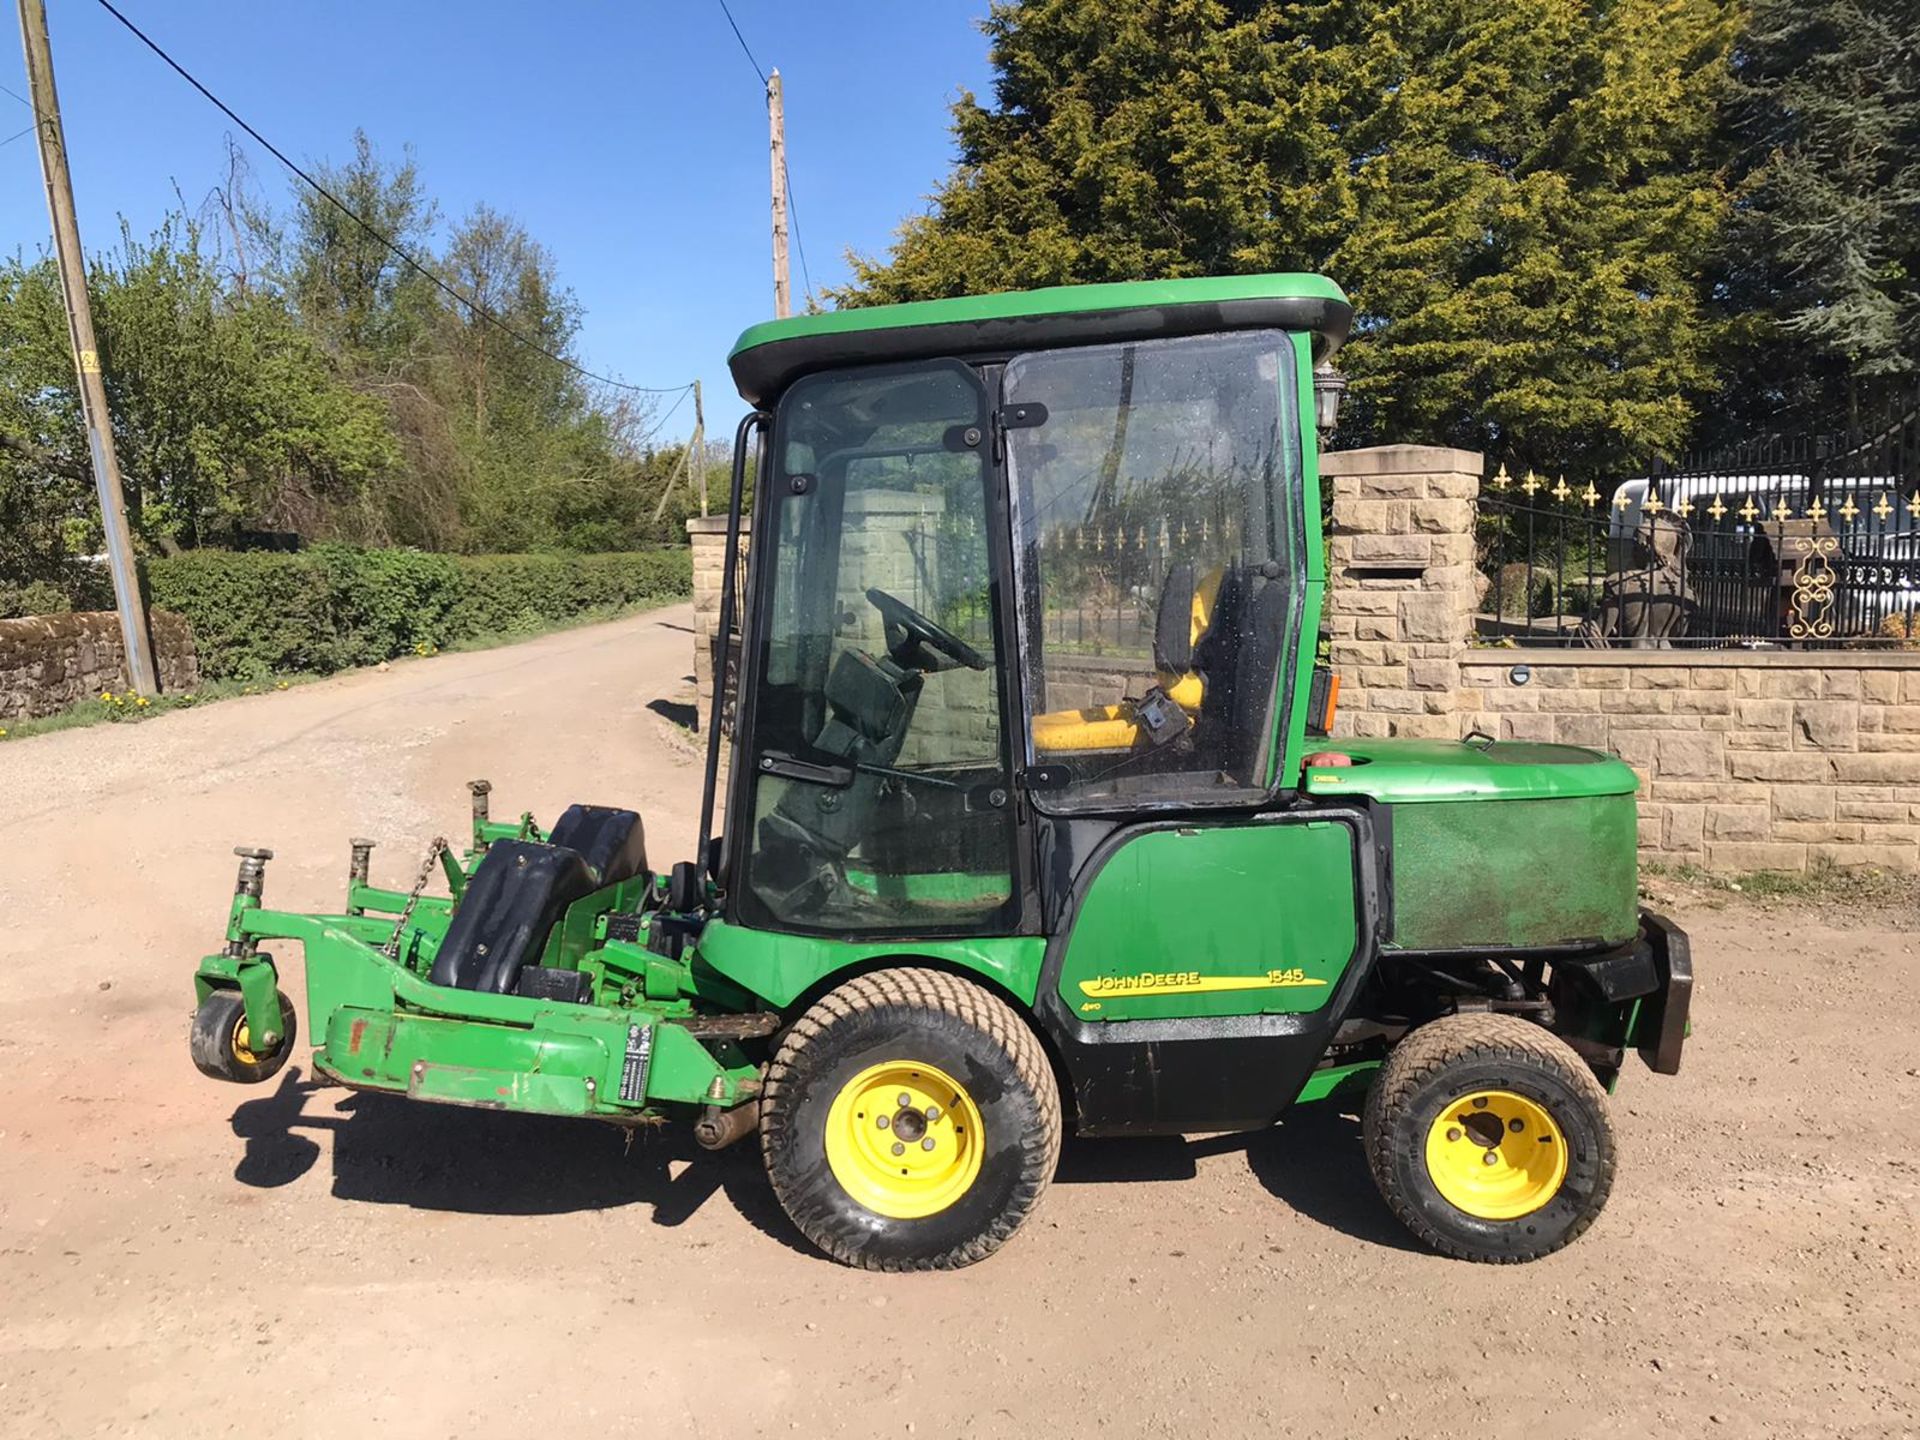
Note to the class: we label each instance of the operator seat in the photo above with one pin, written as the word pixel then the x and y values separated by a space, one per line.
pixel 813 828
pixel 521 889
pixel 1186 615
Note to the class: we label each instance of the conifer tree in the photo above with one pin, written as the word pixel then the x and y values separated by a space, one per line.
pixel 1824 249
pixel 1519 195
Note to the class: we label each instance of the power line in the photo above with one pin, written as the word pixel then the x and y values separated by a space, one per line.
pixel 786 175
pixel 393 247
pixel 16 135
pixel 793 217
pixel 744 48
pixel 685 391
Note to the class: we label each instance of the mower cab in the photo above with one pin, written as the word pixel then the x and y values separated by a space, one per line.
pixel 1030 821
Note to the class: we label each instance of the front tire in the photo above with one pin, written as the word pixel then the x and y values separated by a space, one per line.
pixel 910 1121
pixel 222 1048
pixel 1489 1138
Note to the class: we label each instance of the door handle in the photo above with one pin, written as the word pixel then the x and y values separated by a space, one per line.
pixel 788 767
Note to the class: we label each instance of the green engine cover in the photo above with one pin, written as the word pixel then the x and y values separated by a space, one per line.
pixel 1501 845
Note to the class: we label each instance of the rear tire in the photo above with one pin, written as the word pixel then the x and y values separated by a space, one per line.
pixel 221 1046
pixel 933 1181
pixel 1489 1138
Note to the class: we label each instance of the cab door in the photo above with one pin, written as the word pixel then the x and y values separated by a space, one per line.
pixel 1206 936
pixel 1202 967
pixel 1190 921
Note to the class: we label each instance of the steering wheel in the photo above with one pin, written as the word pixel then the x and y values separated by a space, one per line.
pixel 906 627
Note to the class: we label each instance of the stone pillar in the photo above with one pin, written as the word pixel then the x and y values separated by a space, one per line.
pixel 1401 588
pixel 707 535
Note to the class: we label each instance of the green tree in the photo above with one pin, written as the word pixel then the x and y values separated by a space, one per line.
pixel 226 413
pixel 1518 194
pixel 351 288
pixel 295 374
pixel 540 451
pixel 1823 257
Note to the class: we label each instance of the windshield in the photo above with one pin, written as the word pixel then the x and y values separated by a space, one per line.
pixel 1156 493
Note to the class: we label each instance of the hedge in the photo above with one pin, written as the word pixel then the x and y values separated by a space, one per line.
pixel 332 606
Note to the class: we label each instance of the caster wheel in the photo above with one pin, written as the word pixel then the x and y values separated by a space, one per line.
pixel 222 1047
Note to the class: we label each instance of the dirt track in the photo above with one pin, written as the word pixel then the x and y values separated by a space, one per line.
pixel 180 1257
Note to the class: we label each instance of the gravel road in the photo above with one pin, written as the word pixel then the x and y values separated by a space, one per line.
pixel 179 1257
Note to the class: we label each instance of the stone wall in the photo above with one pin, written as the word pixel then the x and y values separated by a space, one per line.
pixel 1748 760
pixel 50 663
pixel 1754 761
pixel 1400 588
pixel 707 535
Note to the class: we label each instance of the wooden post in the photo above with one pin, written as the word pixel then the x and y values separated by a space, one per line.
pixel 86 353
pixel 698 446
pixel 777 143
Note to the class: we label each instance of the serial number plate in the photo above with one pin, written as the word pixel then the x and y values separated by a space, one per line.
pixel 633 1074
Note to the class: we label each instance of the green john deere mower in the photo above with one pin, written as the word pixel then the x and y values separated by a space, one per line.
pixel 1030 823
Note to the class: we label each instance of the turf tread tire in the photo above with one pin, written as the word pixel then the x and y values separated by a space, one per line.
pixel 798 1058
pixel 1441 1046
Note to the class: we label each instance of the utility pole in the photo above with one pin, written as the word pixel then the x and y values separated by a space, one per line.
pixel 698 449
pixel 777 143
pixel 86 353
pixel 689 457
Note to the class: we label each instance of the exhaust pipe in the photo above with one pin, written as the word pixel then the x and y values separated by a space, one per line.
pixel 716 1128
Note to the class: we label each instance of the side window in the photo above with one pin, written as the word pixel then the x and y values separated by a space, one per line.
pixel 1157 532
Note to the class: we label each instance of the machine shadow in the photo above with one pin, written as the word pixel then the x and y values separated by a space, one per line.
pixel 1312 1162
pixel 391 1151
pixel 679 712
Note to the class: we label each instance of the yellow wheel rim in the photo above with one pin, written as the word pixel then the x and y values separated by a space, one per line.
pixel 1496 1155
pixel 242 1047
pixel 904 1139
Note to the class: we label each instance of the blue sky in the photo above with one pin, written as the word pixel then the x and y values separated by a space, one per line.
pixel 630 138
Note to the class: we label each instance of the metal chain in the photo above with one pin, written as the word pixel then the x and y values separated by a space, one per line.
pixel 392 948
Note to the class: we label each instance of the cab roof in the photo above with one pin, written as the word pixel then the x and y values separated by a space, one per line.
pixel 769 357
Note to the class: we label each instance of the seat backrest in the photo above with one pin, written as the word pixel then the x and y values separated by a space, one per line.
pixel 516 895
pixel 872 703
pixel 1186 616
pixel 612 842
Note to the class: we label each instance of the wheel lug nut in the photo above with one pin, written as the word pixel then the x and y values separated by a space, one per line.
pixel 882 1122
pixel 905 1100
pixel 1453 1132
pixel 1516 1126
pixel 898 1148
pixel 1479 1102
pixel 1492 1157
pixel 933 1113
pixel 927 1144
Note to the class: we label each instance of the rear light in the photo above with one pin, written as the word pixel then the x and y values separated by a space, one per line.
pixel 1323 699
